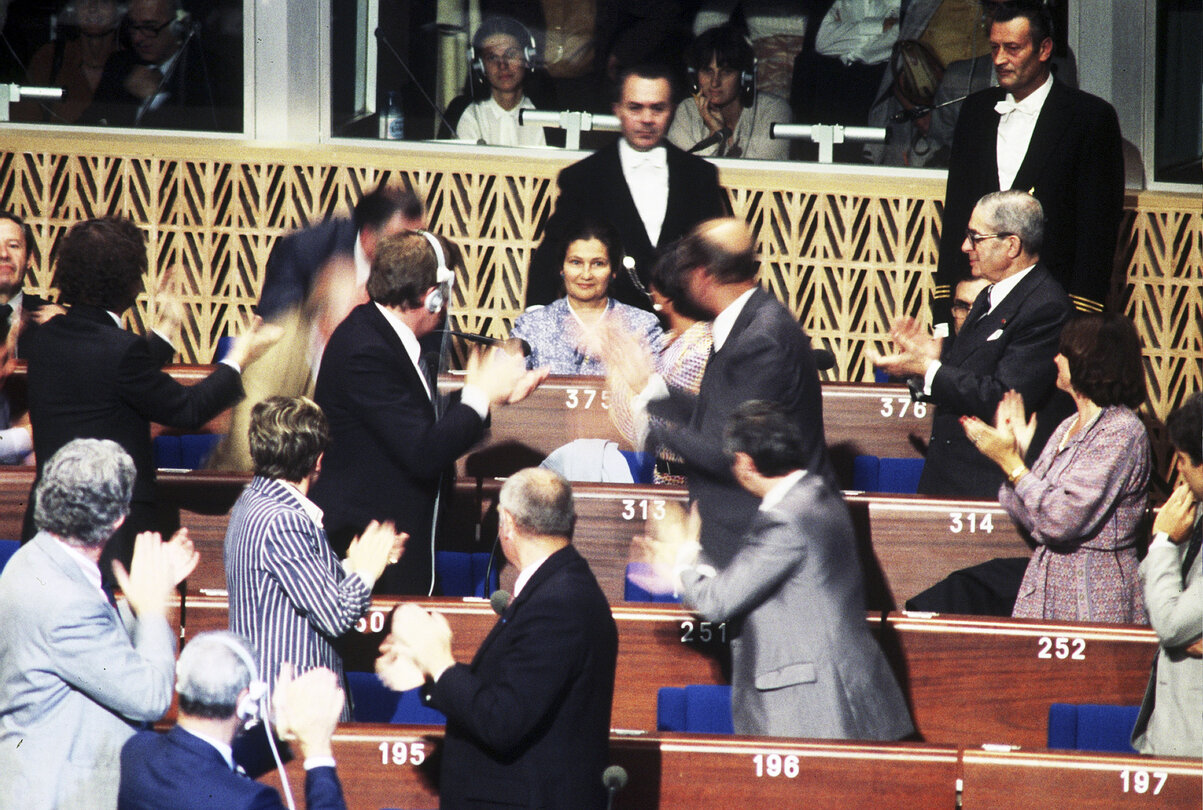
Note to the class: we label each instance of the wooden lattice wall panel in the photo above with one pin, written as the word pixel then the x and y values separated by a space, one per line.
pixel 848 252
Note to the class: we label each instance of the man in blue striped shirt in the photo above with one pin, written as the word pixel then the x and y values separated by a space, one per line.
pixel 289 593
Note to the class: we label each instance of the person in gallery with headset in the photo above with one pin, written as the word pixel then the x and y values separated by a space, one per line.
pixel 500 58
pixel 726 117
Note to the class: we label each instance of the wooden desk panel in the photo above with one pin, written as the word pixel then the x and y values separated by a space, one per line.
pixel 980 680
pixel 877 420
pixel 918 541
pixel 1040 780
pixel 394 766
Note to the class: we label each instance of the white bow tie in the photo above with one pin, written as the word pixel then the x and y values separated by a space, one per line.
pixel 1008 106
pixel 653 159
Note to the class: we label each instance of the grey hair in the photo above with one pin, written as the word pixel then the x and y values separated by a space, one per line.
pixel 1017 212
pixel 539 501
pixel 211 673
pixel 84 489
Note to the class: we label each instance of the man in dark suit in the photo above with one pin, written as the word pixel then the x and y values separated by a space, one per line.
pixel 528 721
pixel 1007 343
pixel 296 259
pixel 760 352
pixel 161 80
pixel 1036 134
pixel 804 663
pixel 391 441
pixel 193 767
pixel 649 189
pixel 89 378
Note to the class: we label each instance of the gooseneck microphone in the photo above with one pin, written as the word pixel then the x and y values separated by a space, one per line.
pixel 710 140
pixel 437 109
pixel 917 112
pixel 615 779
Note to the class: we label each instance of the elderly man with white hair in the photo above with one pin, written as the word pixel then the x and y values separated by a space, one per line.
pixel 192 766
pixel 74 672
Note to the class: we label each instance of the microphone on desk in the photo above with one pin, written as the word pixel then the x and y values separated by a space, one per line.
pixel 615 779
pixel 499 600
pixel 485 340
pixel 710 140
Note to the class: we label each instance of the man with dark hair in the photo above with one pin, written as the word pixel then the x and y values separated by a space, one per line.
pixel 192 766
pixel 804 663
pixel 393 440
pixel 1008 342
pixel 528 721
pixel 289 593
pixel 1034 133
pixel 89 378
pixel 722 67
pixel 760 352
pixel 75 670
pixel 18 310
pixel 1171 715
pixel 296 260
pixel 650 190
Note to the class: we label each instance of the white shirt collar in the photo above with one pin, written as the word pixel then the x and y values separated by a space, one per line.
pixel 775 495
pixel 725 320
pixel 526 574
pixel 1034 102
pixel 497 111
pixel 408 339
pixel 227 753
pixel 86 564
pixel 1003 288
pixel 312 509
pixel 363 267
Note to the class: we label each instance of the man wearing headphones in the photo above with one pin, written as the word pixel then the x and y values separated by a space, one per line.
pixel 726 117
pixel 502 52
pixel 392 438
pixel 193 766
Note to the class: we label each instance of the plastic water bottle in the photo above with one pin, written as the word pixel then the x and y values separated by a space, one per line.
pixel 392 120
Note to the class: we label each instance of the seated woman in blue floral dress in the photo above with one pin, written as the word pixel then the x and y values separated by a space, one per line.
pixel 566 335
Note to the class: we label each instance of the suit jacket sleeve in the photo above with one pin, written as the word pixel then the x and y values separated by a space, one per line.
pixel 768 556
pixel 152 393
pixel 1098 206
pixel 396 414
pixel 544 656
pixel 285 279
pixel 1023 367
pixel 332 602
pixel 92 653
pixel 323 791
pixel 1175 613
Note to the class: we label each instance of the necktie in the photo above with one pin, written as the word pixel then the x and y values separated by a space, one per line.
pixel 981 305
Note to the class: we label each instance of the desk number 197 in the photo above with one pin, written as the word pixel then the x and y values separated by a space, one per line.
pixel 1138 781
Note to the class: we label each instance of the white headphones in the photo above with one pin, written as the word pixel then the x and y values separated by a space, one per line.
pixel 250 707
pixel 437 298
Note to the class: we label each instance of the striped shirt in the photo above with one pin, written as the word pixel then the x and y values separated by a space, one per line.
pixel 289 594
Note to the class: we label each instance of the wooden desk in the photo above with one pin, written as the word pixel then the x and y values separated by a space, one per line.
pixel 393 766
pixel 1041 780
pixel 968 681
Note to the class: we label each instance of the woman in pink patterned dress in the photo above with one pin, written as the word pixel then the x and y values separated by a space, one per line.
pixel 1083 500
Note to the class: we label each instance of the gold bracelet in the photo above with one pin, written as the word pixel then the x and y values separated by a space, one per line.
pixel 1016 473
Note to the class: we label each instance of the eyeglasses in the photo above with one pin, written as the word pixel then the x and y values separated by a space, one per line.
pixel 510 57
pixel 148 29
pixel 974 238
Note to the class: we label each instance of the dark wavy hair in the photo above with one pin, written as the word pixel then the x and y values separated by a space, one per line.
pixel 287 435
pixel 406 267
pixel 1104 355
pixel 762 429
pixel 1185 426
pixel 100 263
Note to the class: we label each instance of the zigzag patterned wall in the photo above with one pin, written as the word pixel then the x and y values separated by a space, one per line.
pixel 848 253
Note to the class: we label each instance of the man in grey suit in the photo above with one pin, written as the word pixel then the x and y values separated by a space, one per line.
pixel 760 352
pixel 74 672
pixel 804 663
pixel 1171 716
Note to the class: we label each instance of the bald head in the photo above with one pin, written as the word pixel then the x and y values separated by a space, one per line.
pixel 723 248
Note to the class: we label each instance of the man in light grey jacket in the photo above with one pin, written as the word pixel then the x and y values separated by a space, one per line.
pixel 74 672
pixel 1171 716
pixel 804 663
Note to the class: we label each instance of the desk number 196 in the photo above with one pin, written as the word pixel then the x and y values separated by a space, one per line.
pixel 775 765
